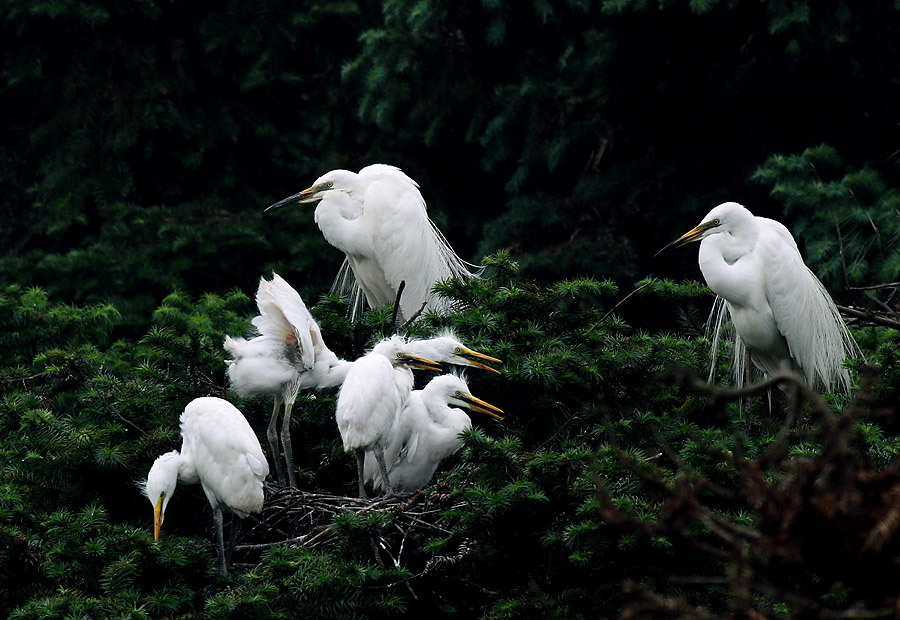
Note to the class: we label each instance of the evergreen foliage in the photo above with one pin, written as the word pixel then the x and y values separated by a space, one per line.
pixel 615 485
pixel 848 216
pixel 566 141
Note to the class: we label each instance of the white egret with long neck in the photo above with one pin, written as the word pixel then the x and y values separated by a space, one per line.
pixel 781 312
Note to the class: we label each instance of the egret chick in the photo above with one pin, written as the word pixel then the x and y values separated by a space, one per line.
pixel 426 432
pixel 779 309
pixel 447 349
pixel 221 452
pixel 378 219
pixel 374 391
pixel 290 345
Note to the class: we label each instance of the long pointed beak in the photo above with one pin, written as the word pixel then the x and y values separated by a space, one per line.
pixel 307 195
pixel 422 363
pixel 476 404
pixel 693 234
pixel 467 354
pixel 157 518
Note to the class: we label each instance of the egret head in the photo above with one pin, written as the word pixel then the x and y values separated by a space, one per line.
pixel 448 349
pixel 454 389
pixel 160 486
pixel 398 351
pixel 336 180
pixel 727 217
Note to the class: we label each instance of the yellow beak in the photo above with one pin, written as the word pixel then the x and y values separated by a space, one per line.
pixel 422 363
pixel 476 404
pixel 307 195
pixel 157 518
pixel 692 235
pixel 469 353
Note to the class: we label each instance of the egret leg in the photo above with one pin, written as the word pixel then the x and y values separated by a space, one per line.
pixel 360 460
pixel 232 538
pixel 272 435
pixel 379 458
pixel 220 538
pixel 286 444
pixel 745 400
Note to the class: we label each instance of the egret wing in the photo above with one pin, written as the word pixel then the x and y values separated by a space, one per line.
pixel 804 312
pixel 409 246
pixel 368 402
pixel 226 454
pixel 299 317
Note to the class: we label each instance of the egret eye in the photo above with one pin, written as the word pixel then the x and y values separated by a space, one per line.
pixel 715 222
pixel 457 351
pixel 329 185
pixel 458 394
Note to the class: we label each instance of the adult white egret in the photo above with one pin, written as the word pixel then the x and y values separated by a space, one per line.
pixel 426 432
pixel 221 452
pixel 279 361
pixel 374 391
pixel 378 219
pixel 779 309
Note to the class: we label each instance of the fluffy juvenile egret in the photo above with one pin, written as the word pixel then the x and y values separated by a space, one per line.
pixel 279 361
pixel 447 349
pixel 779 309
pixel 290 355
pixel 220 451
pixel 426 432
pixel 374 391
pixel 377 218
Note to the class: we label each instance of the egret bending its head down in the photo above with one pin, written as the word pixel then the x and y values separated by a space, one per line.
pixel 779 309
pixel 427 431
pixel 221 452
pixel 378 219
pixel 373 393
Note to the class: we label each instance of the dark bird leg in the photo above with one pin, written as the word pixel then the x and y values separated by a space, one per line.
pixel 360 461
pixel 272 435
pixel 232 538
pixel 286 444
pixel 220 538
pixel 379 458
pixel 745 401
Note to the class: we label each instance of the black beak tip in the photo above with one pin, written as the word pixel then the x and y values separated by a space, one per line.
pixel 664 249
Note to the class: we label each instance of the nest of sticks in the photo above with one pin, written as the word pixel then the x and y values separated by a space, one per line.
pixel 292 517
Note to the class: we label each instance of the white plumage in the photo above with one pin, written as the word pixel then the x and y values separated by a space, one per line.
pixel 374 391
pixel 781 312
pixel 288 355
pixel 378 218
pixel 221 452
pixel 426 432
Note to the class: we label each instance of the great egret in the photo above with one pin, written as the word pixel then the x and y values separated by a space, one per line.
pixel 280 361
pixel 377 218
pixel 779 309
pixel 221 452
pixel 375 389
pixel 426 432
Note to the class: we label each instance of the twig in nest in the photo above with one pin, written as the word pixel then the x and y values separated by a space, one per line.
pixel 875 318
